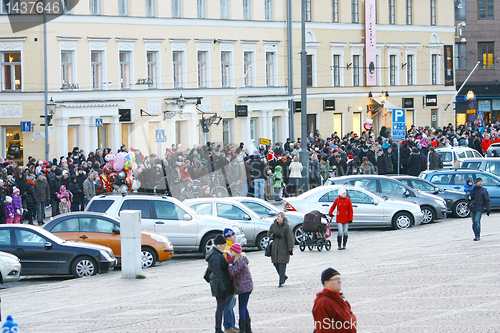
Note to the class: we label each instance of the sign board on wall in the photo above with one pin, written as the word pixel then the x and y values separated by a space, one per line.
pixel 408 103
pixel 328 105
pixel 297 106
pixel 448 66
pixel 241 111
pixel 431 100
pixel 370 42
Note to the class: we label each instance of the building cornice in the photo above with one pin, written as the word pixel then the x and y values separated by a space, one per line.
pixel 270 98
pixel 128 40
pixel 12 39
pixel 98 39
pixel 68 39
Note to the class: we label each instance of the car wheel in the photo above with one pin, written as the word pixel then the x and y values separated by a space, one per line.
pixel 299 234
pixel 207 242
pixel 262 241
pixel 84 266
pixel 429 215
pixel 402 220
pixel 148 258
pixel 461 209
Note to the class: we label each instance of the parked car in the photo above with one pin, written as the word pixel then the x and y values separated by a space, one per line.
pixel 369 209
pixel 184 227
pixel 10 266
pixel 455 200
pixel 456 179
pixel 433 207
pixel 488 164
pixel 43 253
pixel 450 155
pixel 255 227
pixel 98 228
pixel 493 147
pixel 265 209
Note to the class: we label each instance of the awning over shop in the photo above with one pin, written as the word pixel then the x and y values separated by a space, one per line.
pixel 388 105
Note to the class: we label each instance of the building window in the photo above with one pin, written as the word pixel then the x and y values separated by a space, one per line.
pixel 409 70
pixel 123 7
pixel 433 12
pixel 227 130
pixel 392 74
pixel 96 69
pixel 461 57
pixel 152 63
pixel 247 68
pixel 225 62
pixel 486 55
pixel 309 68
pixel 460 10
pixel 11 71
pixel 485 9
pixel 150 8
pixel 308 10
pixel 224 9
pixel 434 69
pixel 336 70
pixel 270 69
pixel 253 128
pixel 202 69
pixel 95 7
pixel 268 10
pixel 354 11
pixel 65 5
pixel 201 8
pixel 125 69
pixel 176 8
pixel 409 11
pixel 355 71
pixel 177 68
pixel 335 11
pixel 392 12
pixel 66 67
pixel 247 10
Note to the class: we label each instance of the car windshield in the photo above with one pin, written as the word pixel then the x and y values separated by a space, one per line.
pixel 471 165
pixel 99 206
pixel 422 185
pixel 258 208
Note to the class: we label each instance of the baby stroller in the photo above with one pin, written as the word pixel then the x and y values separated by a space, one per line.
pixel 315 232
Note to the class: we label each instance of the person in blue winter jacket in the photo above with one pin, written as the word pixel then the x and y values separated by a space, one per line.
pixel 469 186
pixel 243 284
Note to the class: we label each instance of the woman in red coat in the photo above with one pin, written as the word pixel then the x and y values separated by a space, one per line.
pixel 344 216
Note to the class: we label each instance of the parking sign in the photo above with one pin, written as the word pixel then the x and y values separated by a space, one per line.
pixel 398 124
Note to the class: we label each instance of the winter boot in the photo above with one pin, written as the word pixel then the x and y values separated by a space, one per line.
pixel 339 242
pixel 243 323
pixel 345 242
pixel 248 327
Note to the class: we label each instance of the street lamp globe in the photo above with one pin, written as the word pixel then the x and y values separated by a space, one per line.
pixel 181 102
pixel 51 107
pixel 470 95
pixel 383 97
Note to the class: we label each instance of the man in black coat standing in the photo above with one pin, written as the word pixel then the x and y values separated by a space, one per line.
pixel 382 163
pixel 55 186
pixel 371 155
pixel 479 203
pixel 414 163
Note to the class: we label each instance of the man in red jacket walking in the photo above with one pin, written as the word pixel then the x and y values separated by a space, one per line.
pixel 344 216
pixel 331 312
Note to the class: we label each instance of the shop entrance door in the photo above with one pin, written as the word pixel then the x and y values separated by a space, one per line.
pixel 13 148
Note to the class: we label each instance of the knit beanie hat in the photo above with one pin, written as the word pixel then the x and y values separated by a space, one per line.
pixel 15 190
pixel 8 199
pixel 328 274
pixel 236 248
pixel 219 239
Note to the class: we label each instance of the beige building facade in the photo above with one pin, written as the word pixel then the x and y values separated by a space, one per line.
pixel 110 59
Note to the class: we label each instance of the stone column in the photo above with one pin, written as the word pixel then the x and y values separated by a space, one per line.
pixel 269 120
pixel 94 140
pixel 193 138
pixel 285 133
pixel 170 133
pixel 245 130
pixel 115 133
pixel 85 137
pixel 263 127
pixel 62 137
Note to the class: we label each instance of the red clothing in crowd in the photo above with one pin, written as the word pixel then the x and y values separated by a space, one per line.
pixel 485 145
pixel 344 209
pixel 332 313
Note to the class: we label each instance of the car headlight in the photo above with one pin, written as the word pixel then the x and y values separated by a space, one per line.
pixel 160 239
pixel 237 230
pixel 106 255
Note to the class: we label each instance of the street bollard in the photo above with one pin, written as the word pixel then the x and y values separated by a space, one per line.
pixel 10 326
pixel 130 233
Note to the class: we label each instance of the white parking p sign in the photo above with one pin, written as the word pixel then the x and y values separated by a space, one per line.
pixel 398 115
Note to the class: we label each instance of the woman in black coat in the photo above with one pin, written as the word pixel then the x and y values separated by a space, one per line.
pixel 414 163
pixel 77 194
pixel 31 200
pixel 220 283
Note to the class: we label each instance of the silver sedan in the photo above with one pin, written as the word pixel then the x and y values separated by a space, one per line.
pixel 265 209
pixel 369 209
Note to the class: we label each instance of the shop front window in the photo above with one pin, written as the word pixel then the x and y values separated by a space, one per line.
pixel 14 144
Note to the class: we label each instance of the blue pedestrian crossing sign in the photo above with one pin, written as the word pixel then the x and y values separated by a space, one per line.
pixel 98 122
pixel 160 135
pixel 26 126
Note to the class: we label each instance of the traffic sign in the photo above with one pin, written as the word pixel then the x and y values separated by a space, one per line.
pixel 26 126
pixel 398 115
pixel 98 122
pixel 480 115
pixel 160 135
pixel 472 117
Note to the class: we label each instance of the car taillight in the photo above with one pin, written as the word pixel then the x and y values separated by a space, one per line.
pixel 289 208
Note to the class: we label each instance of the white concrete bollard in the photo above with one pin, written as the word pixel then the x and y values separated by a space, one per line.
pixel 130 234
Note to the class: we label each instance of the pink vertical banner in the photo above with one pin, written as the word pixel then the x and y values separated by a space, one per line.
pixel 370 43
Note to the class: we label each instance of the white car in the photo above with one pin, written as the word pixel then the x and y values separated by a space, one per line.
pixel 265 209
pixel 369 210
pixel 451 155
pixel 10 267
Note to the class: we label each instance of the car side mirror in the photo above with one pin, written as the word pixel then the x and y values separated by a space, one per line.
pixel 48 245
pixel 385 198
pixel 116 231
pixel 187 217
pixel 270 213
pixel 436 190
pixel 376 202
pixel 246 217
pixel 407 193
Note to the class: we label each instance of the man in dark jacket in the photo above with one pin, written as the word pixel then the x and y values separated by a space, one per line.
pixel 258 169
pixel 371 155
pixel 55 186
pixel 435 162
pixel 331 312
pixel 42 193
pixel 339 166
pixel 382 163
pixel 405 155
pixel 31 200
pixel 480 202
pixel 414 163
